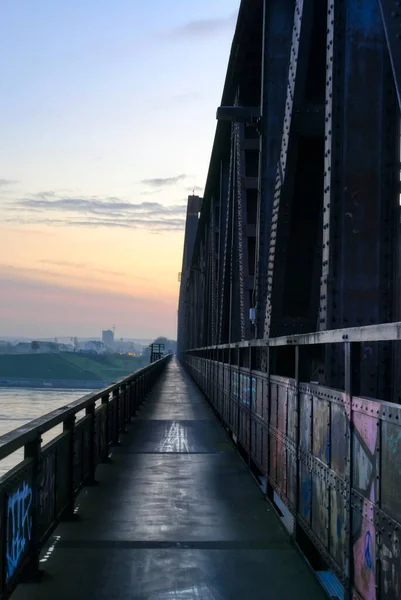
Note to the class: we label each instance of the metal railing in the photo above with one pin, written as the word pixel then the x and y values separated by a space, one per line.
pixel 41 490
pixel 331 458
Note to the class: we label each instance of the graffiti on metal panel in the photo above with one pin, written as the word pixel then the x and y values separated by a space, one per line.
pixel 376 466
pixel 19 526
pixel 243 387
pixel 368 550
pixel 365 482
pixel 390 556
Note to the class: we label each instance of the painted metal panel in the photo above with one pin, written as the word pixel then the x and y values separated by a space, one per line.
pixel 321 430
pixel 339 439
pixel 364 556
pixel 320 509
pixel 305 493
pixel 390 562
pixel 322 493
pixel 391 470
pixel 366 457
pixel 305 432
pixel 291 477
pixel 338 523
pixel 282 409
pixel 292 413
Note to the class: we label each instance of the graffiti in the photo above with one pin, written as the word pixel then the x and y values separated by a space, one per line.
pixel 368 547
pixel 19 526
pixel 393 443
pixel 243 388
pixel 314 429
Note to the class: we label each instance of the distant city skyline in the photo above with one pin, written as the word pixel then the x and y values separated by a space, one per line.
pixel 107 125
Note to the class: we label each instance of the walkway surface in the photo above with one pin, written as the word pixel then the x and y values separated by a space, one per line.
pixel 177 516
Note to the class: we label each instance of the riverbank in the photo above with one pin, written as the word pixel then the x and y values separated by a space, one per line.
pixel 66 370
pixel 56 384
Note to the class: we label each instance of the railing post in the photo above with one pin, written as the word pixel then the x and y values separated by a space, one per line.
pixel 135 385
pixel 297 442
pixel 105 402
pixel 351 386
pixel 32 451
pixel 238 393
pixel 116 411
pixel 123 408
pixel 215 383
pixel 90 412
pixel 229 396
pixel 128 401
pixel 250 408
pixel 69 428
pixel 268 393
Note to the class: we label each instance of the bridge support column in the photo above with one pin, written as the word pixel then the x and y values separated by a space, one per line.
pixel 361 190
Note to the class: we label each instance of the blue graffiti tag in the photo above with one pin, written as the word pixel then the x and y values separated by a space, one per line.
pixel 248 388
pixel 368 545
pixel 19 526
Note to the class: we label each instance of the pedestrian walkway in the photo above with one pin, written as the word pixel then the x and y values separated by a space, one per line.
pixel 176 516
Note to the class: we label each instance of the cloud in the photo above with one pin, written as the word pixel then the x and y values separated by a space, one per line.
pixel 5 182
pixel 204 28
pixel 160 182
pixel 78 266
pixel 82 266
pixel 37 276
pixel 95 212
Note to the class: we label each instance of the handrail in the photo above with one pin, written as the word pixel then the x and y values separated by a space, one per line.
pixel 15 439
pixel 41 490
pixel 383 332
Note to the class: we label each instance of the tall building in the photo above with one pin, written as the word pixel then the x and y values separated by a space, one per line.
pixel 108 338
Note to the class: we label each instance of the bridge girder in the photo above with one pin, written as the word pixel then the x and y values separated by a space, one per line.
pixel 299 227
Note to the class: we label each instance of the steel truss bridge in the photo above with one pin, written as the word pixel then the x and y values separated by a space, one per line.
pixel 289 304
pixel 289 332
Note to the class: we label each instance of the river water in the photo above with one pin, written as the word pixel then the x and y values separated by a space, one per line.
pixel 19 406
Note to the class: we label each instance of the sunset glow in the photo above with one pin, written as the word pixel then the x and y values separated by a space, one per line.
pixel 106 128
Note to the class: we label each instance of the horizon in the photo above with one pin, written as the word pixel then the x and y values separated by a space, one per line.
pixel 107 126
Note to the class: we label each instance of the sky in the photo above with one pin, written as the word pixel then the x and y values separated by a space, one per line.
pixel 107 119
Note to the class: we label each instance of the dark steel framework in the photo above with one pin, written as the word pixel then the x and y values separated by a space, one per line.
pixel 299 233
pixel 299 227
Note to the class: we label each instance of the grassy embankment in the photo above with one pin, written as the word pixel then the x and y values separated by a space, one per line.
pixel 68 365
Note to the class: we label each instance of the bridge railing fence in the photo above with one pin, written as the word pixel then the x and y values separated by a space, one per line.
pixel 330 459
pixel 41 490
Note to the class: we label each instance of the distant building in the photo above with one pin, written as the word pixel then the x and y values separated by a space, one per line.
pixel 36 347
pixel 108 338
pixel 96 347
